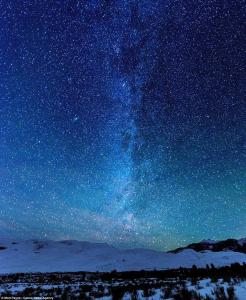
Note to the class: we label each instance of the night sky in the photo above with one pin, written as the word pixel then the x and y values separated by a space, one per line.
pixel 122 121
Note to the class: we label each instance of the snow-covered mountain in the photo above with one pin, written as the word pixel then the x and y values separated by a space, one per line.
pixel 51 256
pixel 217 246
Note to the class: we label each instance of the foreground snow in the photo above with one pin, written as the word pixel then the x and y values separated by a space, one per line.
pixel 206 288
pixel 65 256
pixel 145 289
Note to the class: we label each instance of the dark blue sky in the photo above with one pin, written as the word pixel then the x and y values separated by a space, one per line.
pixel 122 121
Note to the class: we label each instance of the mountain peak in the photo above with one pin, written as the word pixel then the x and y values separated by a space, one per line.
pixel 216 246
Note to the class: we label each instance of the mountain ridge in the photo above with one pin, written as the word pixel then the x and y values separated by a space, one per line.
pixel 237 245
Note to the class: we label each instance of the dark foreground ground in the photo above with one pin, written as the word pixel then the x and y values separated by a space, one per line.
pixel 225 283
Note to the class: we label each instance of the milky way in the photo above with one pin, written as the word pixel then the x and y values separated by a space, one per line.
pixel 122 121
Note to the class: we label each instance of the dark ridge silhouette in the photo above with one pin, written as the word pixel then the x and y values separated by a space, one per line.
pixel 229 244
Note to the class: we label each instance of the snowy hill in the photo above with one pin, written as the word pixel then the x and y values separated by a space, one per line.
pixel 49 256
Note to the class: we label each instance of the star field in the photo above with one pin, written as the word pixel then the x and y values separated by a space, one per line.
pixel 122 121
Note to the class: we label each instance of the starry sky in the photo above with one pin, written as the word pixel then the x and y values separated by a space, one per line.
pixel 122 121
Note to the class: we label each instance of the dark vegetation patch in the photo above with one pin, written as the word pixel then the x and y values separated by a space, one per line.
pixel 94 285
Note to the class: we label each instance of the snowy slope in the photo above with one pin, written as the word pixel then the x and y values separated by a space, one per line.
pixel 49 256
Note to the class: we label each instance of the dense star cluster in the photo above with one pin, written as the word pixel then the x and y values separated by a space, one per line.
pixel 122 121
